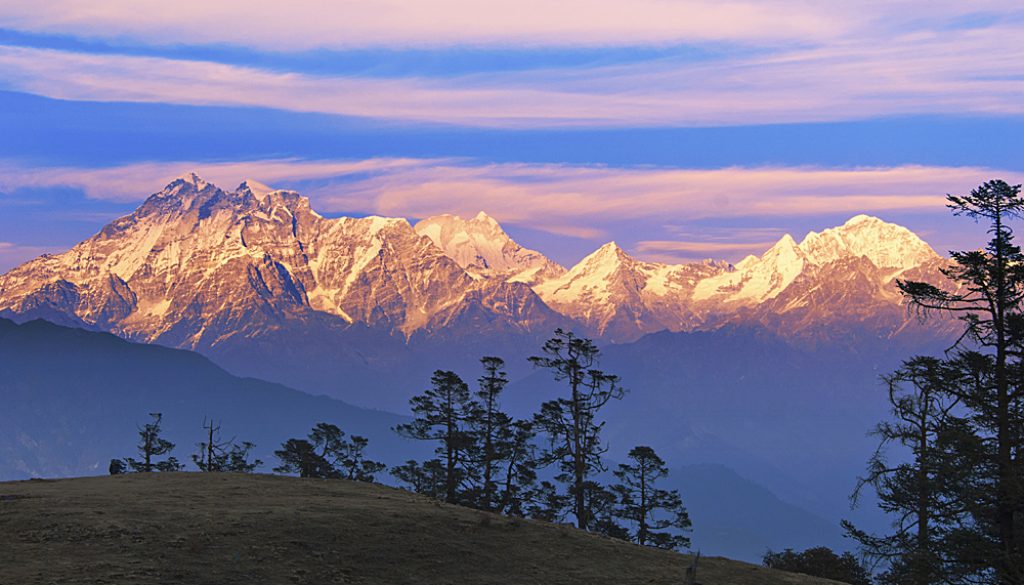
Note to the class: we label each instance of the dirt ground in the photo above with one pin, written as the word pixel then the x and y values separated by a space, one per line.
pixel 194 528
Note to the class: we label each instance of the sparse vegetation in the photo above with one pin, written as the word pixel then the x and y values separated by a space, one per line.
pixel 486 459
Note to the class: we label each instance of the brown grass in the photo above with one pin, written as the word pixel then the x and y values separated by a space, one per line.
pixel 224 528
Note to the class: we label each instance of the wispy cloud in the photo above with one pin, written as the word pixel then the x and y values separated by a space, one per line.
pixel 130 183
pixel 971 70
pixel 564 199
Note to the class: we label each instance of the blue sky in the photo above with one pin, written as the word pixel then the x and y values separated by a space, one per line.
pixel 682 130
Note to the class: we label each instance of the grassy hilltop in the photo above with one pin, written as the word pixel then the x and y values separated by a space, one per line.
pixel 225 528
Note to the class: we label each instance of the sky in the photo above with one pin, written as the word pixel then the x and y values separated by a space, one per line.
pixel 681 129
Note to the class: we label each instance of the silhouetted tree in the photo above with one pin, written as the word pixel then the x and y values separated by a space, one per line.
pixel 920 493
pixel 547 503
pixel 571 423
pixel 987 297
pixel 649 508
pixel 442 414
pixel 117 467
pixel 328 455
pixel 217 455
pixel 353 464
pixel 520 470
pixel 427 479
pixel 600 502
pixel 300 456
pixel 152 445
pixel 492 431
pixel 820 562
pixel 500 449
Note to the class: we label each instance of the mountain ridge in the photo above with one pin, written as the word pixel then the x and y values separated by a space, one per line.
pixel 195 265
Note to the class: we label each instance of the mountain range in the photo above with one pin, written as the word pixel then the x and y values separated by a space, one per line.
pixel 196 266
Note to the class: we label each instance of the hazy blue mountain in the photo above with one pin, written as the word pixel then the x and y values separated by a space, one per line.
pixel 71 399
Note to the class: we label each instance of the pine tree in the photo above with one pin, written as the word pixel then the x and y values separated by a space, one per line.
pixel 920 493
pixel 427 479
pixel 217 455
pixel 328 455
pixel 988 300
pixel 520 470
pixel 600 503
pixel 492 430
pixel 547 503
pixel 300 456
pixel 442 414
pixel 152 445
pixel 571 423
pixel 500 449
pixel 649 508
pixel 353 464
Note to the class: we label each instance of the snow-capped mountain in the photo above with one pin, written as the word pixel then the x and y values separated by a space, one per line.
pixel 196 265
pixel 891 248
pixel 484 250
pixel 842 276
pixel 619 297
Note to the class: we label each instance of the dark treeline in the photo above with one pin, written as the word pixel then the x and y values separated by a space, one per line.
pixel 484 457
pixel 958 499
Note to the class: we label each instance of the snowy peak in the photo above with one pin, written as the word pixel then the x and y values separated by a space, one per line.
pixel 886 245
pixel 620 298
pixel 483 218
pixel 191 179
pixel 889 247
pixel 756 279
pixel 604 261
pixel 481 247
pixel 255 188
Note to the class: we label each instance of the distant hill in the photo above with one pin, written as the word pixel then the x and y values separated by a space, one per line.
pixel 227 528
pixel 71 399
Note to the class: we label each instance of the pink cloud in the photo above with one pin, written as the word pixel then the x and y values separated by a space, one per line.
pixel 311 24
pixel 133 182
pixel 954 71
